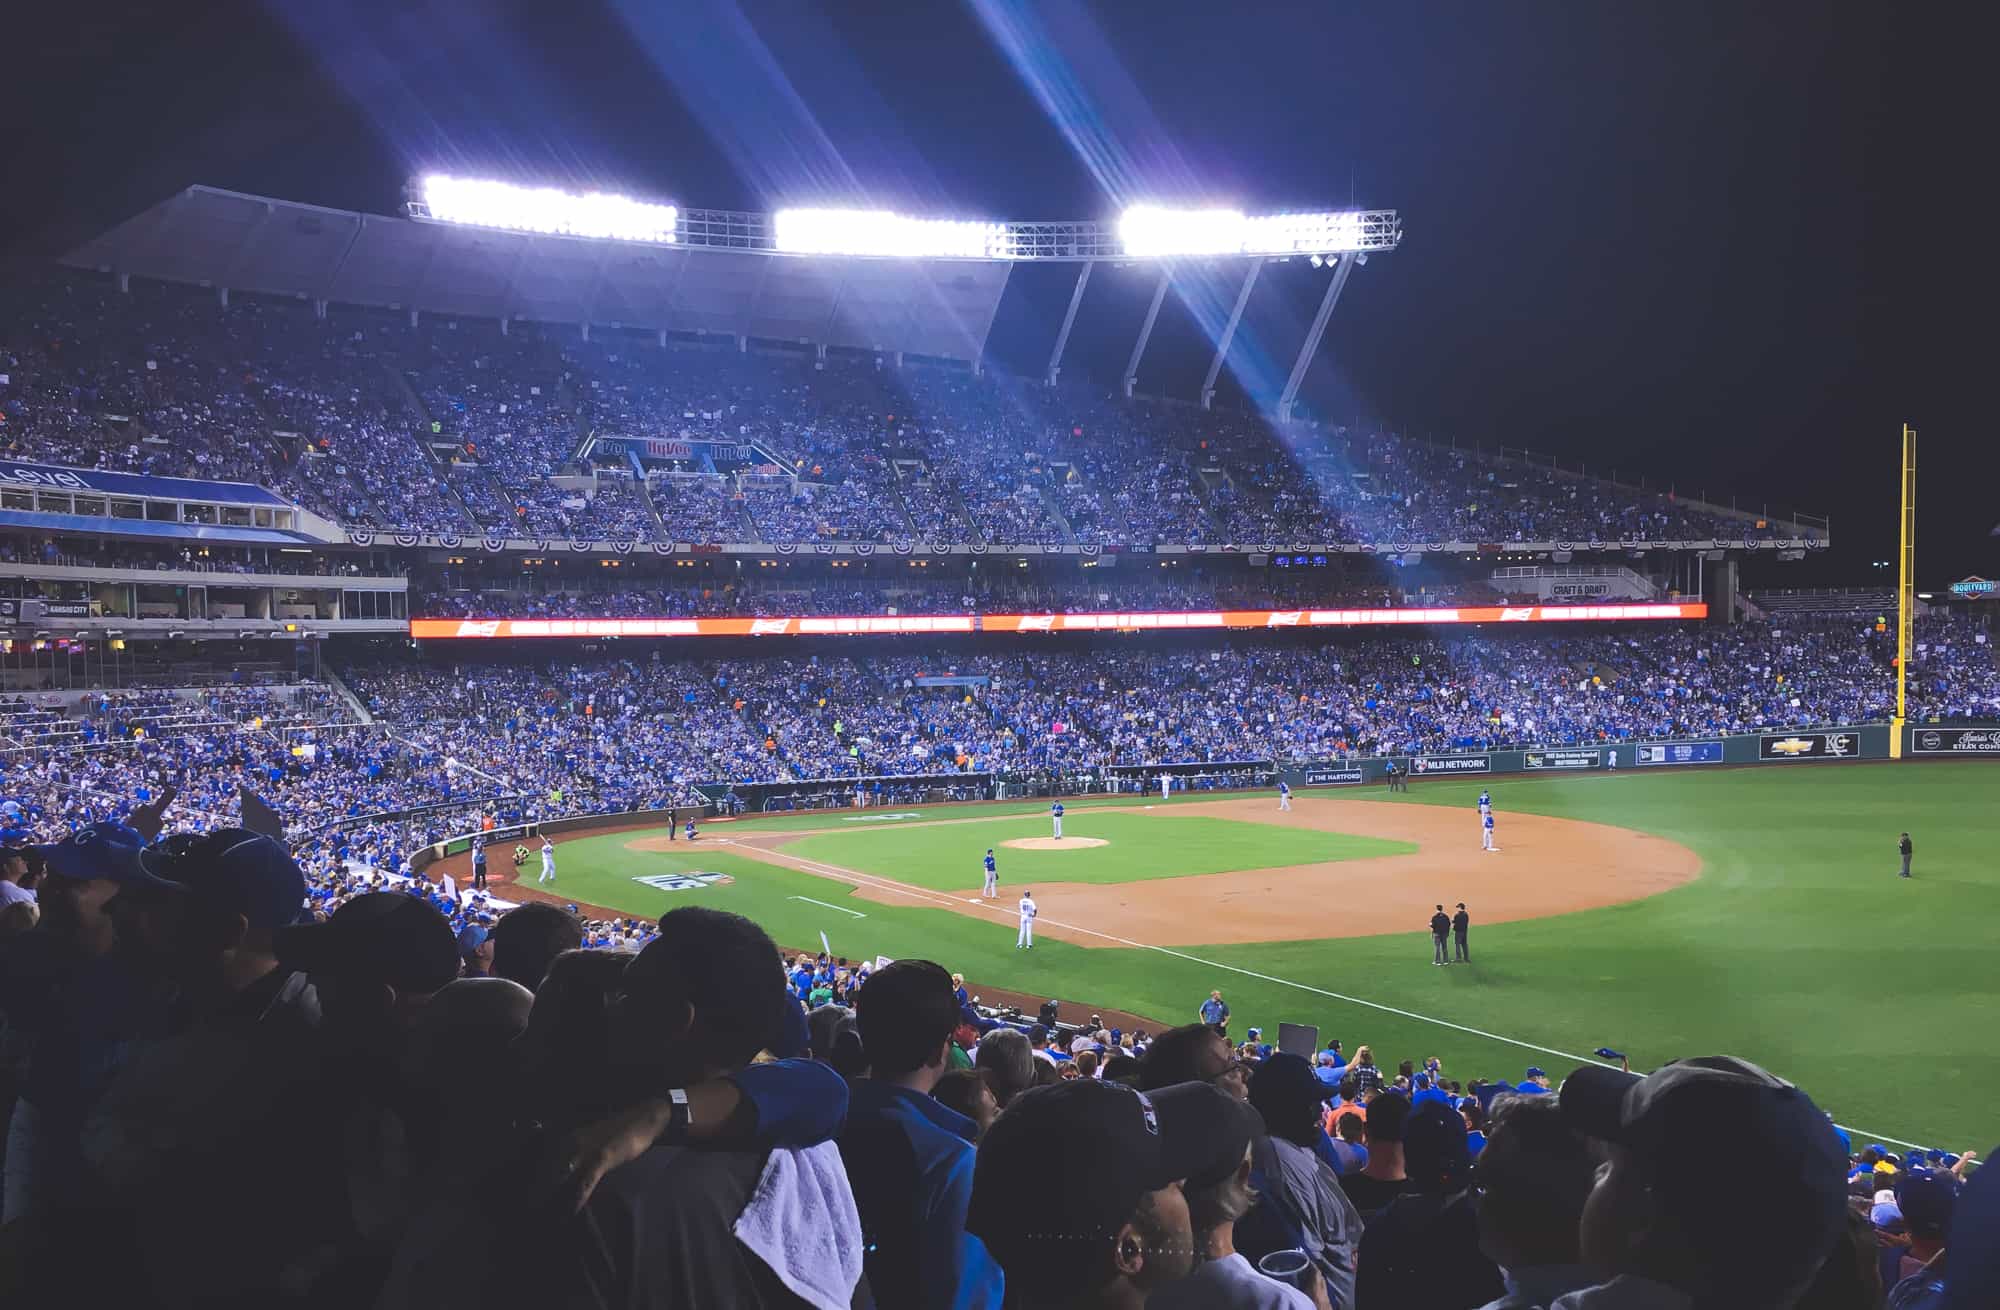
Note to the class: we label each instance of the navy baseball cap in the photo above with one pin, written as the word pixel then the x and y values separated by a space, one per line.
pixel 1786 1202
pixel 382 937
pixel 1437 1153
pixel 1927 1198
pixel 1114 1146
pixel 1533 1072
pixel 236 870
pixel 102 850
pixel 470 938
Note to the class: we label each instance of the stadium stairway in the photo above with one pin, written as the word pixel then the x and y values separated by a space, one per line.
pixel 354 704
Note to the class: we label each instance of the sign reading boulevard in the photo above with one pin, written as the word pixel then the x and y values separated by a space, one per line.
pixel 928 623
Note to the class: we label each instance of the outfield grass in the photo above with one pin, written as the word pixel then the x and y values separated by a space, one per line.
pixel 1797 947
pixel 946 856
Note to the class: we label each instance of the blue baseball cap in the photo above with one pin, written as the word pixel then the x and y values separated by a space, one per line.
pixel 470 938
pixel 236 870
pixel 1533 1072
pixel 103 850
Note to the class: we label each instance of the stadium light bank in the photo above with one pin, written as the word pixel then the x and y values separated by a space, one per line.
pixel 1146 231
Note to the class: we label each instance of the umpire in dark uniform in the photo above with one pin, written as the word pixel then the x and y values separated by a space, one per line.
pixel 1461 923
pixel 1904 848
pixel 1440 929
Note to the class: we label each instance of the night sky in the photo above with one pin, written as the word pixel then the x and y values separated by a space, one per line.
pixel 1726 246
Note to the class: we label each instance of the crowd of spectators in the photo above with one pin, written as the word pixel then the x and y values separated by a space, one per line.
pixel 452 425
pixel 236 1078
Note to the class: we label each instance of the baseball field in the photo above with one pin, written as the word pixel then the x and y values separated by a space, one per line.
pixel 1752 911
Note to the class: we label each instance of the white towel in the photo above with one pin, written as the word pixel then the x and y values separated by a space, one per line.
pixel 802 1222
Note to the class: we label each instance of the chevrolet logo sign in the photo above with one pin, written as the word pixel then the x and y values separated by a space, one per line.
pixel 1794 746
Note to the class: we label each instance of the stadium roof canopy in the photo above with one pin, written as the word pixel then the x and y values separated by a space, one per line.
pixel 846 279
pixel 250 243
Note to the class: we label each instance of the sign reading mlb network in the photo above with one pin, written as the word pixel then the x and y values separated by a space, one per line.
pixel 1451 764
pixel 1334 777
pixel 1810 746
pixel 1562 760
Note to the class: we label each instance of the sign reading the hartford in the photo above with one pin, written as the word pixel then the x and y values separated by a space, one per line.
pixel 51 477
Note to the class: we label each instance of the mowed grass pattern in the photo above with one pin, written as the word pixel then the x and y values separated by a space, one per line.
pixel 948 856
pixel 1798 947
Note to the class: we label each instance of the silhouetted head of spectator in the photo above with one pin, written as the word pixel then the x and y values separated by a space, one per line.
pixel 1387 1114
pixel 210 908
pixel 566 1051
pixel 1656 1210
pixel 1193 1052
pixel 85 870
pixel 475 950
pixel 1284 1091
pixel 1122 1069
pixel 823 1026
pixel 965 1091
pixel 459 1063
pixel 1114 1226
pixel 1927 1198
pixel 1218 1188
pixel 1008 1063
pixel 698 1002
pixel 528 939
pixel 906 1013
pixel 1436 1155
pixel 1535 1174
pixel 375 962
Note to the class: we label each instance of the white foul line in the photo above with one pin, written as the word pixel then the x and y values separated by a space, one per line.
pixel 824 906
pixel 890 885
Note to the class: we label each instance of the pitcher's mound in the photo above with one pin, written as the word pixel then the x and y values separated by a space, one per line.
pixel 1054 843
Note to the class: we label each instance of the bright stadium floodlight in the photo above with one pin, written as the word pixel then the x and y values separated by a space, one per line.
pixel 883 234
pixel 1154 230
pixel 545 209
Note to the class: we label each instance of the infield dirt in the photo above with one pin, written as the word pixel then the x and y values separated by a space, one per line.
pixel 1545 866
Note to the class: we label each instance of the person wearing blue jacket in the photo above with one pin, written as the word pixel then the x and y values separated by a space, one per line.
pixel 909 1157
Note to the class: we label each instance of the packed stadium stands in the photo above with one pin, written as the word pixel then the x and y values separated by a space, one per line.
pixel 452 427
pixel 292 1073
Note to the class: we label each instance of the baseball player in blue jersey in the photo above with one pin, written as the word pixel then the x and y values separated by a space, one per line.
pixel 992 875
pixel 1486 830
pixel 1284 795
pixel 690 830
pixel 1055 814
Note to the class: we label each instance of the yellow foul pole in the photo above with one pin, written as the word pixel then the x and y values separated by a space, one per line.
pixel 1906 585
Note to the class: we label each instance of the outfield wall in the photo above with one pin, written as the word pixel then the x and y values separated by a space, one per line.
pixel 1804 746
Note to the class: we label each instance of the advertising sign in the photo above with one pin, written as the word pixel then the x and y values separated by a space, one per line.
pixel 1442 764
pixel 1334 777
pixel 1584 759
pixel 1956 741
pixel 1679 752
pixel 1810 746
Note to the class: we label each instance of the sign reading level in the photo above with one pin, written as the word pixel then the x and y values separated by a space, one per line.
pixel 927 623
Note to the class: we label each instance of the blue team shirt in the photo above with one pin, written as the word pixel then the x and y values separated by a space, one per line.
pixel 990 866
pixel 1284 789
pixel 1485 801
pixel 1489 821
pixel 1056 809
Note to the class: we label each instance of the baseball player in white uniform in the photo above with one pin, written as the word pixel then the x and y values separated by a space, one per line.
pixel 548 861
pixel 1026 939
pixel 1485 807
pixel 1055 817
pixel 1166 786
pixel 992 876
pixel 1284 795
pixel 1486 831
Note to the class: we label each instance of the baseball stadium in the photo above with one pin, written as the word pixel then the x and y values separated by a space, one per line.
pixel 536 672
